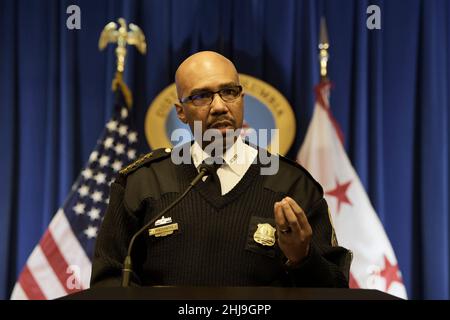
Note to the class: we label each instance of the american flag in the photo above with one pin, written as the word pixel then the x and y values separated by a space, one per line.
pixel 61 263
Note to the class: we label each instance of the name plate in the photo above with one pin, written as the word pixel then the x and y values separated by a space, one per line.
pixel 163 230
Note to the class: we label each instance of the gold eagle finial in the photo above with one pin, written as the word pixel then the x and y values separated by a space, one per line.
pixel 113 34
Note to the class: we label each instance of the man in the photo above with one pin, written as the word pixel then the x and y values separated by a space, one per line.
pixel 237 227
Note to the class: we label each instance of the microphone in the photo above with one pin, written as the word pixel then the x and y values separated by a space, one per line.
pixel 209 168
pixel 204 170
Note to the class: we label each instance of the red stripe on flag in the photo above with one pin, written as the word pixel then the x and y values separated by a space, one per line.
pixel 58 263
pixel 30 286
pixel 320 90
pixel 353 283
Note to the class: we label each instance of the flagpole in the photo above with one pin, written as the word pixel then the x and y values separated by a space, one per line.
pixel 374 264
pixel 60 263
pixel 113 33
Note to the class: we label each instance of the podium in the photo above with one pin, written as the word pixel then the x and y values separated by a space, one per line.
pixel 227 293
pixel 240 302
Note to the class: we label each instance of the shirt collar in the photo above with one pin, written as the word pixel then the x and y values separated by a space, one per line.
pixel 236 157
pixel 198 154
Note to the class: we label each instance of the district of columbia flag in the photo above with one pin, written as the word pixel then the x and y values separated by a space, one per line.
pixel 356 223
pixel 60 263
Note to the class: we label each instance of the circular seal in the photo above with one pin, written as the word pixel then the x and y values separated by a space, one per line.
pixel 265 108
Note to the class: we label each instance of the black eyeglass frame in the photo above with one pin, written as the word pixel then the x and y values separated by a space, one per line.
pixel 213 93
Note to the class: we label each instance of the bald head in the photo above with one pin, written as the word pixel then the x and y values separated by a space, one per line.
pixel 202 70
pixel 209 72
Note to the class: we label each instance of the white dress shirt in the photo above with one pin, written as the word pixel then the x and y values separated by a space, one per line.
pixel 237 159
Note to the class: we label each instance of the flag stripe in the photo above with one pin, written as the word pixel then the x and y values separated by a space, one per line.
pixel 69 247
pixel 322 100
pixel 57 261
pixel 44 275
pixel 29 285
pixel 353 283
pixel 60 263
pixel 357 225
pixel 19 293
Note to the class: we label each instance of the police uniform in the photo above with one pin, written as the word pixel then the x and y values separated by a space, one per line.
pixel 214 237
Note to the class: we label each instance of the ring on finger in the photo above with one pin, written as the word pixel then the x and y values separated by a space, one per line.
pixel 285 230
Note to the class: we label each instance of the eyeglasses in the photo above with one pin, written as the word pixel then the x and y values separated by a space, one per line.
pixel 228 94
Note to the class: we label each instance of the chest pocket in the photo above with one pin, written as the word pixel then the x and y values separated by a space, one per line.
pixel 261 237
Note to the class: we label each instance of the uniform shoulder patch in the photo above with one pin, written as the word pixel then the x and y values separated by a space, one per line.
pixel 147 158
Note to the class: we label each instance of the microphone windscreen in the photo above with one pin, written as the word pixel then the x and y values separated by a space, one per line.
pixel 211 165
pixel 209 168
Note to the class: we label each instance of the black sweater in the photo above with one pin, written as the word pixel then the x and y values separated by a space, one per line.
pixel 214 245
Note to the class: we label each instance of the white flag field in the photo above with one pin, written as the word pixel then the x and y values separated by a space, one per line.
pixel 356 223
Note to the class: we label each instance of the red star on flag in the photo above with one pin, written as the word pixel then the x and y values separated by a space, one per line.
pixel 340 192
pixel 390 273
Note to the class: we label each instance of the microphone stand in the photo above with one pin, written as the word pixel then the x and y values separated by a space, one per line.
pixel 127 264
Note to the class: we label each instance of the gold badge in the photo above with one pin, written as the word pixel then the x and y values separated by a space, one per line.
pixel 265 234
pixel 163 230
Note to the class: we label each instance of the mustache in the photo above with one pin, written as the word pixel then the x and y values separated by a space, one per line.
pixel 221 119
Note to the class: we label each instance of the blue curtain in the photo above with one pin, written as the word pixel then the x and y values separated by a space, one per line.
pixel 390 97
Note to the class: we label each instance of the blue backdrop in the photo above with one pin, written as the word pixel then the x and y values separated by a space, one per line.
pixel 390 97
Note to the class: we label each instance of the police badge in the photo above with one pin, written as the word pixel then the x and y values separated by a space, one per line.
pixel 264 234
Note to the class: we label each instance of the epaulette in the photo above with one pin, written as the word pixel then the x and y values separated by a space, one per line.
pixel 149 157
pixel 298 165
